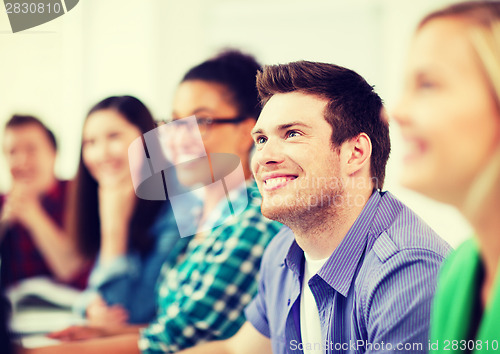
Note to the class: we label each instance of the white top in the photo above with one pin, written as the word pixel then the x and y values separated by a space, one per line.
pixel 310 325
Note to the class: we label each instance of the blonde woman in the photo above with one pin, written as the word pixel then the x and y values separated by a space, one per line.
pixel 450 118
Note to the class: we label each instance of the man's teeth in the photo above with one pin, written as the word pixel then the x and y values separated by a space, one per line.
pixel 272 182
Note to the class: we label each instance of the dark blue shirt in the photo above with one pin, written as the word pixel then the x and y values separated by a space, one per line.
pixel 373 294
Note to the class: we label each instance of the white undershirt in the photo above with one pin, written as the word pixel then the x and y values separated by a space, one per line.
pixel 310 325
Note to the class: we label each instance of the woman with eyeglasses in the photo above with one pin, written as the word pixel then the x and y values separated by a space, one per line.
pixel 130 238
pixel 450 118
pixel 214 109
pixel 221 97
pixel 202 296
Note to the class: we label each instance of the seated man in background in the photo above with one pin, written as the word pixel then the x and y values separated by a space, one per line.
pixel 33 242
pixel 356 269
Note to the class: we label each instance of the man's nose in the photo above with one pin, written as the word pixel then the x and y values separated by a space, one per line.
pixel 19 159
pixel 271 153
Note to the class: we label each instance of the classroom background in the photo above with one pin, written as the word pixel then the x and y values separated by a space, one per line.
pixel 56 71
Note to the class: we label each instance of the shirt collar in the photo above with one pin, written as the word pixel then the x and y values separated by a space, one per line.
pixel 188 207
pixel 340 268
pixel 294 257
pixel 239 199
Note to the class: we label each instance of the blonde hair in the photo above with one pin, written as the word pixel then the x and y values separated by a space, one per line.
pixel 481 21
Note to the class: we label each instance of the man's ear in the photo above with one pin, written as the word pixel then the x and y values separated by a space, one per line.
pixel 245 129
pixel 358 152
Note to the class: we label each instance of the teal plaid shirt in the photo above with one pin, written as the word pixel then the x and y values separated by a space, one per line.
pixel 202 297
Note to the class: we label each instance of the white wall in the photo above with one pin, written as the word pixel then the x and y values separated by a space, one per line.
pixel 105 47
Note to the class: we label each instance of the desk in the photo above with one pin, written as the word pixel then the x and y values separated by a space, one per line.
pixel 34 313
pixel 31 324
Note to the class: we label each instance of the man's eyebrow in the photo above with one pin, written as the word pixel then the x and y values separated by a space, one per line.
pixel 281 127
pixel 292 124
pixel 256 131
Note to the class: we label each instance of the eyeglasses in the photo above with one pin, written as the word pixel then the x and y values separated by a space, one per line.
pixel 203 123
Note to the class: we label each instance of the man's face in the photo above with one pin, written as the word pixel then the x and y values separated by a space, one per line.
pixel 30 156
pixel 295 166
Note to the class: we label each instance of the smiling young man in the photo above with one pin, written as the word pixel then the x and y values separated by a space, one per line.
pixel 355 270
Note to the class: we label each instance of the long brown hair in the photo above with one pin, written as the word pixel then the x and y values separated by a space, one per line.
pixel 83 217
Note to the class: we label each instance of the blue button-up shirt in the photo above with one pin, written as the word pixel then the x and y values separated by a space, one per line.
pixel 373 294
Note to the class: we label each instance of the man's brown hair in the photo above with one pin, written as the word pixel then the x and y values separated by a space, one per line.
pixel 19 120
